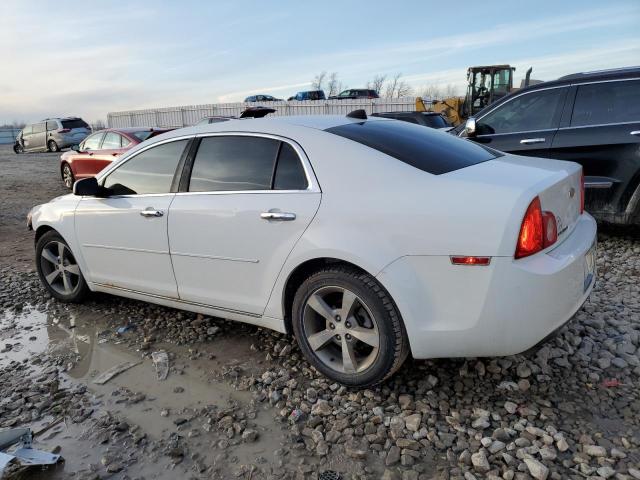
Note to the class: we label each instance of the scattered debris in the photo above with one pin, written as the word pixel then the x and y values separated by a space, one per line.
pixel 113 371
pixel 24 454
pixel 161 363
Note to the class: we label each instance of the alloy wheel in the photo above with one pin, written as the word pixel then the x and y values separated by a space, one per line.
pixel 59 268
pixel 340 329
pixel 53 146
pixel 67 176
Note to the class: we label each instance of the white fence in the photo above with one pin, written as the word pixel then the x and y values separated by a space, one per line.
pixel 8 135
pixel 188 115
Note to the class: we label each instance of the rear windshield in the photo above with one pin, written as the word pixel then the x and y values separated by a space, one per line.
pixel 429 150
pixel 74 124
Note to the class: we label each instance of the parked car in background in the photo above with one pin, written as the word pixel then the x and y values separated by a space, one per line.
pixel 99 150
pixel 452 249
pixel 590 118
pixel 52 135
pixel 428 119
pixel 309 95
pixel 354 93
pixel 262 98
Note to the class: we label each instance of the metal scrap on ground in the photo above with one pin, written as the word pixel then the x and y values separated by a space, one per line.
pixel 161 363
pixel 113 371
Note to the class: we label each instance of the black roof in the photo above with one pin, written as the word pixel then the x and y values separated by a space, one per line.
pixel 574 78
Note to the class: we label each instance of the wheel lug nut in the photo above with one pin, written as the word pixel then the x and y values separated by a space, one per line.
pixel 337 337
pixel 338 318
pixel 347 336
pixel 347 324
pixel 332 326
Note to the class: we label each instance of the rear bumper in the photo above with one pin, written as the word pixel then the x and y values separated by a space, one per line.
pixel 502 309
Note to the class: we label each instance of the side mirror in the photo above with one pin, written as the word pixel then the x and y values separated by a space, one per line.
pixel 88 187
pixel 470 127
pixel 75 148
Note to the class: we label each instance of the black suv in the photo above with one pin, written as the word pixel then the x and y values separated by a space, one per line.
pixel 427 119
pixel 590 118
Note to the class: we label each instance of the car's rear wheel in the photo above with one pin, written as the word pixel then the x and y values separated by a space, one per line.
pixel 348 327
pixel 58 270
pixel 67 176
pixel 53 146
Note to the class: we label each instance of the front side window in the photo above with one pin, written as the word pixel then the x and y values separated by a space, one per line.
pixel 92 142
pixel 52 125
pixel 111 141
pixel 233 163
pixel 27 130
pixel 151 171
pixel 607 102
pixel 528 112
pixel 38 128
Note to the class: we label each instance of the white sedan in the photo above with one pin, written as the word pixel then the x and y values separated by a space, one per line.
pixel 368 239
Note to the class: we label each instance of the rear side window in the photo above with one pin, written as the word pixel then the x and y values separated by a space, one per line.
pixel 77 123
pixel 435 121
pixel 427 149
pixel 151 171
pixel 233 163
pixel 607 102
pixel 289 171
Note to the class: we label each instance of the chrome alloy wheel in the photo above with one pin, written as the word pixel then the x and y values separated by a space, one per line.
pixel 67 176
pixel 59 268
pixel 340 329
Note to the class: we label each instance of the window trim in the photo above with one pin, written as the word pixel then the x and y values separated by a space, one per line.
pixel 576 87
pixel 105 136
pixel 312 184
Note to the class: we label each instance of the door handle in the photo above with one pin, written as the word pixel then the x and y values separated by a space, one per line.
pixel 150 212
pixel 635 132
pixel 114 154
pixel 531 141
pixel 281 216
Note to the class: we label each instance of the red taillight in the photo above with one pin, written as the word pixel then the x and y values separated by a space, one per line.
pixel 65 130
pixel 538 231
pixel 531 238
pixel 459 260
pixel 582 192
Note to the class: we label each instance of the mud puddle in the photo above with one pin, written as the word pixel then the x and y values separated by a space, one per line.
pixel 187 406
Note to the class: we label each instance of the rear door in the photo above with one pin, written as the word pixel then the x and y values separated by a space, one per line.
pixel 601 131
pixel 525 125
pixel 249 200
pixel 110 150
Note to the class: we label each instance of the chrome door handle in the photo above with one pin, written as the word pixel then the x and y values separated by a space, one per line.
pixel 531 141
pixel 635 132
pixel 150 212
pixel 282 216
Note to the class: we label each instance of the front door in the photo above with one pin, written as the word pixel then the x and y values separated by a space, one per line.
pixel 38 137
pixel 124 237
pixel 83 161
pixel 524 125
pixel 248 202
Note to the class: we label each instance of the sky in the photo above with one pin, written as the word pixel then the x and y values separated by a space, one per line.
pixel 89 58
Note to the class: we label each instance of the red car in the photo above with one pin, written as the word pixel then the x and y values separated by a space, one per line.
pixel 99 150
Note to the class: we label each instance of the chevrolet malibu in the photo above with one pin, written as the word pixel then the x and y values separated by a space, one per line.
pixel 368 239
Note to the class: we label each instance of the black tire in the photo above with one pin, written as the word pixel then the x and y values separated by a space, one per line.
pixel 52 146
pixel 393 347
pixel 18 149
pixel 50 241
pixel 67 176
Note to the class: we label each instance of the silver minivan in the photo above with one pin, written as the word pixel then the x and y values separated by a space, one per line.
pixel 52 134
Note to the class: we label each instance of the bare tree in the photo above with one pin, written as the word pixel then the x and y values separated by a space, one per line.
pixel 450 91
pixel 403 89
pixel 390 91
pixel 98 125
pixel 318 81
pixel 432 91
pixel 377 83
pixel 334 86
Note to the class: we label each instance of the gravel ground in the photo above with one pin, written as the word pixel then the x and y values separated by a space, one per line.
pixel 241 402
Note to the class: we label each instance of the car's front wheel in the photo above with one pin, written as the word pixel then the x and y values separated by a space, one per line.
pixel 53 146
pixel 18 148
pixel 348 327
pixel 58 270
pixel 67 176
